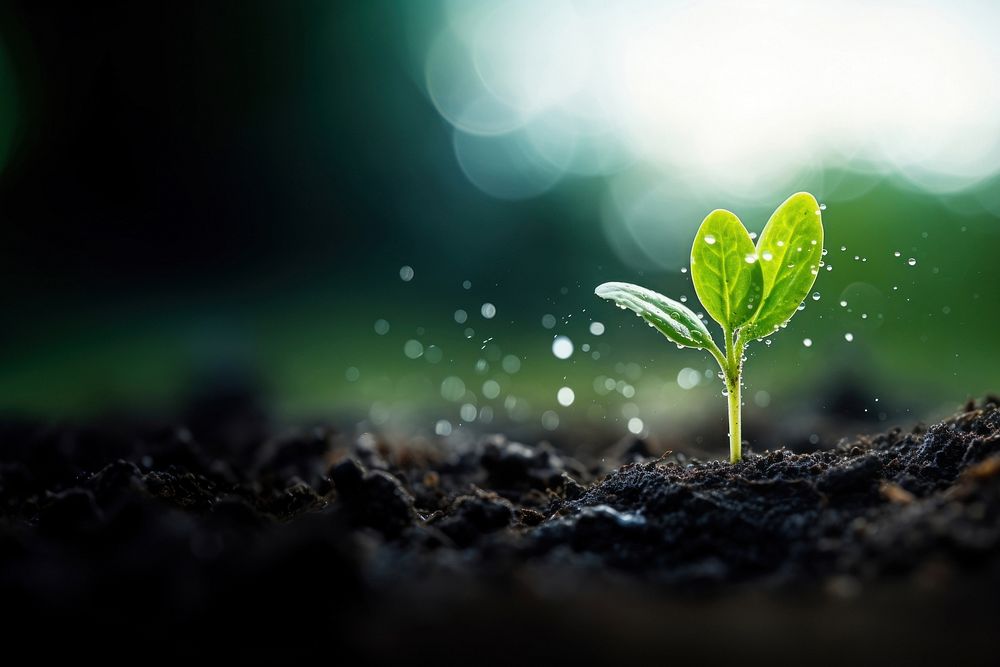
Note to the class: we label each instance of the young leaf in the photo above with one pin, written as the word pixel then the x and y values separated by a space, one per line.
pixel 674 320
pixel 790 249
pixel 724 267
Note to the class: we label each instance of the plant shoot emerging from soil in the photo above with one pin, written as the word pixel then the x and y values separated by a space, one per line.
pixel 751 291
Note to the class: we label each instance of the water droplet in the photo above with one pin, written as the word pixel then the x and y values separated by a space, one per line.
pixel 511 364
pixel 688 378
pixel 767 341
pixel 565 396
pixel 635 425
pixel 911 261
pixel 848 337
pixel 766 256
pixel 807 342
pixel 751 258
pixel 684 299
pixel 352 374
pixel 822 207
pixel 596 328
pixel 896 254
pixel 442 427
pixel 381 327
pixel 781 244
pixel 562 347
pixel 684 269
pixel 843 304
pixel 550 420
pixel 709 239
pixel 466 284
pixel 406 273
pixel 488 310
pixel 461 316
pixel 815 296
pixel 843 248
pixel 753 235
pixel 549 321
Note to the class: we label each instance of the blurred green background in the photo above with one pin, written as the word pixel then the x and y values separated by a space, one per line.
pixel 385 213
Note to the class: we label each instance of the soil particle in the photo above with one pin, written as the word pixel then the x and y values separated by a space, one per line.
pixel 147 527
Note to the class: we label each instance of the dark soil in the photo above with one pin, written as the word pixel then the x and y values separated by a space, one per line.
pixel 132 538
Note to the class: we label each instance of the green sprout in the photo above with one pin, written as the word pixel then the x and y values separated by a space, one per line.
pixel 751 291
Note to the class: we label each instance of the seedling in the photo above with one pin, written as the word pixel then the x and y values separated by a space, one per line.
pixel 751 291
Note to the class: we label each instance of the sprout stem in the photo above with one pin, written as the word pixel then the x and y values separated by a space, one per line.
pixel 733 370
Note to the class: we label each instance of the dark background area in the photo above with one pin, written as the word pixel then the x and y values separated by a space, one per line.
pixel 191 191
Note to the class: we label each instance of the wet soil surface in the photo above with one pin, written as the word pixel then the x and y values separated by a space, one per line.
pixel 218 537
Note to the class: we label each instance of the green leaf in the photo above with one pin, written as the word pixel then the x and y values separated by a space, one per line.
pixel 790 250
pixel 674 320
pixel 725 270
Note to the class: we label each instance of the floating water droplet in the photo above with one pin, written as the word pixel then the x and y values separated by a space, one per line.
pixel 442 427
pixel 822 207
pixel 468 412
pixel 466 284
pixel 843 304
pixel 565 396
pixel 911 261
pixel 848 337
pixel 488 310
pixel 461 316
pixel 406 273
pixel 596 328
pixel 767 341
pixel 815 296
pixel 684 269
pixel 381 327
pixel 549 321
pixel 684 299
pixel 753 235
pixel 807 342
pixel 896 254
pixel 635 425
pixel 709 239
pixel 562 347
pixel 843 248
pixel 352 374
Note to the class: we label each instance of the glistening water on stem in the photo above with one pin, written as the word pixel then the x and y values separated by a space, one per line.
pixel 751 290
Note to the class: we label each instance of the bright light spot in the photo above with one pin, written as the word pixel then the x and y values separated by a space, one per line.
pixel 461 316
pixel 562 347
pixel 550 420
pixel 491 389
pixel 635 425
pixel 468 412
pixel 510 364
pixel 807 342
pixel 688 378
pixel 565 396
pixel 539 91
pixel 443 427
pixel 596 328
pixel 548 321
pixel 848 337
pixel 488 310
pixel 406 273
pixel 452 388
pixel 381 327
pixel 413 349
